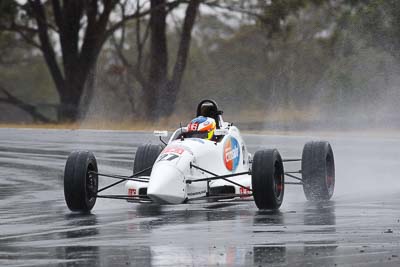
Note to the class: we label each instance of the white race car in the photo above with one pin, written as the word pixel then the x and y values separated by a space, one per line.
pixel 189 168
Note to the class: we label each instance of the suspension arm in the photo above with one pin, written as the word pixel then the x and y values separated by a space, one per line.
pixel 291 160
pixel 123 178
pixel 216 177
pixel 292 176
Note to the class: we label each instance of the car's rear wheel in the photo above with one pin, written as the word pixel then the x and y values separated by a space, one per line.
pixel 268 179
pixel 318 170
pixel 145 157
pixel 80 181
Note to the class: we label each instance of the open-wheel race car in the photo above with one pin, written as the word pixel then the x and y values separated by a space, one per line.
pixel 192 166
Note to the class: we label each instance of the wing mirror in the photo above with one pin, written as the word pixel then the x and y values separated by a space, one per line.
pixel 160 133
pixel 220 132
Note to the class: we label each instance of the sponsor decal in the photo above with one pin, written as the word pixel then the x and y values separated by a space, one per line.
pixel 171 153
pixel 174 150
pixel 132 192
pixel 193 126
pixel 244 191
pixel 231 154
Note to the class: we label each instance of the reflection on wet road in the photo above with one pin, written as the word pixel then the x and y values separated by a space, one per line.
pixel 359 226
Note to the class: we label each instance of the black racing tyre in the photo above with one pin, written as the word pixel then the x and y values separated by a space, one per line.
pixel 268 179
pixel 145 157
pixel 80 184
pixel 318 170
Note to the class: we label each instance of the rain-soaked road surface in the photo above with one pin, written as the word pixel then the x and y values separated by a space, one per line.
pixel 359 226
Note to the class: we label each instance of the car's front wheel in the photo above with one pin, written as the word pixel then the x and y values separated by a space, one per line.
pixel 268 179
pixel 81 181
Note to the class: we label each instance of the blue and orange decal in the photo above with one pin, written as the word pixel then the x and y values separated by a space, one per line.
pixel 231 153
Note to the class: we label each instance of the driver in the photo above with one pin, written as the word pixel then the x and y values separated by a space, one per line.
pixel 202 127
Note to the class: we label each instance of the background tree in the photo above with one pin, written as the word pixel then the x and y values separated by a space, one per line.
pixel 379 23
pixel 160 90
pixel 15 57
pixel 281 62
pixel 159 85
pixel 80 27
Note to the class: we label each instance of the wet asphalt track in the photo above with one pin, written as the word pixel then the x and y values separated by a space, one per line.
pixel 359 226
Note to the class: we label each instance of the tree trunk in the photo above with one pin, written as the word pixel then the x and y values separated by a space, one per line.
pixel 157 78
pixel 88 92
pixel 160 93
pixel 173 86
pixel 70 96
pixel 78 63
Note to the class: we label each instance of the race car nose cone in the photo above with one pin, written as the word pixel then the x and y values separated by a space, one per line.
pixel 166 185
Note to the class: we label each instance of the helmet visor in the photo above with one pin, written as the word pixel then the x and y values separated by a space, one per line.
pixel 201 135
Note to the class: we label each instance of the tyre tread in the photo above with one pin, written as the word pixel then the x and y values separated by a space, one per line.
pixel 145 157
pixel 263 171
pixel 314 170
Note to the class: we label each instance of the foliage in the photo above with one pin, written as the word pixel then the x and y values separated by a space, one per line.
pixel 311 60
pixel 379 23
